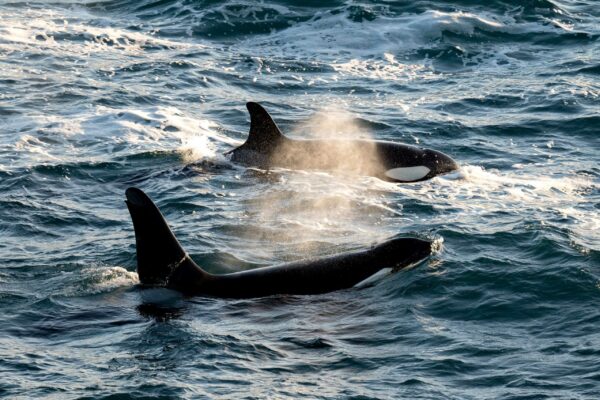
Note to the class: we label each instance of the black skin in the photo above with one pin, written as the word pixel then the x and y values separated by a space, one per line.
pixel 162 262
pixel 267 147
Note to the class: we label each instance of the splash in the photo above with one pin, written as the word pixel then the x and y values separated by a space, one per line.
pixel 106 133
pixel 475 192
pixel 109 278
pixel 97 279
pixel 196 139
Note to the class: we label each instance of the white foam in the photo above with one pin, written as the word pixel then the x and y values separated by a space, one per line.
pixel 109 278
pixel 97 279
pixel 163 128
pixel 377 52
pixel 64 139
pixel 525 192
pixel 386 69
pixel 334 34
pixel 35 30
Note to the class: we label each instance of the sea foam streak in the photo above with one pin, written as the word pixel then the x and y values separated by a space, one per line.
pixel 477 192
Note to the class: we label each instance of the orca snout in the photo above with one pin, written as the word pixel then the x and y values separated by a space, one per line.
pixel 411 249
pixel 440 163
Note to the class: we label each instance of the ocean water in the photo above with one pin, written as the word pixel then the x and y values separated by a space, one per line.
pixel 99 96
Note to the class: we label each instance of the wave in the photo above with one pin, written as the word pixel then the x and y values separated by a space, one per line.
pixel 106 134
pixel 475 193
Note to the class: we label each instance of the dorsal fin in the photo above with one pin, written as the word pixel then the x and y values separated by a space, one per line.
pixel 264 133
pixel 159 254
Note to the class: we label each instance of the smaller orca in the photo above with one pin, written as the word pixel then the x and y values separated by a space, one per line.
pixel 161 261
pixel 267 147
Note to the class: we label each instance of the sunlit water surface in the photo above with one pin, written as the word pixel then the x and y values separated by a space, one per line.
pixel 99 96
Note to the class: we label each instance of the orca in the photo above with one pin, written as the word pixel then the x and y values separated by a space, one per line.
pixel 162 262
pixel 267 147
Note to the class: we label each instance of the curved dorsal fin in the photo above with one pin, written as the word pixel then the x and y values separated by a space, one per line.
pixel 160 257
pixel 264 133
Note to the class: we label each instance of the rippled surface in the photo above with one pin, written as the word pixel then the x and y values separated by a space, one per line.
pixel 99 96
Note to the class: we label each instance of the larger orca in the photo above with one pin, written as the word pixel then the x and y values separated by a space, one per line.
pixel 267 147
pixel 161 261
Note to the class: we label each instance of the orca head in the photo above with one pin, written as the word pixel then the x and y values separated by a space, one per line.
pixel 418 249
pixel 439 163
pixel 420 165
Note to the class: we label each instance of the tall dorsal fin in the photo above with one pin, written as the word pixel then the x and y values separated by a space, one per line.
pixel 264 133
pixel 160 257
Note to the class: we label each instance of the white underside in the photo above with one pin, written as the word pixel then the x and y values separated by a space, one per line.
pixel 408 174
pixel 373 278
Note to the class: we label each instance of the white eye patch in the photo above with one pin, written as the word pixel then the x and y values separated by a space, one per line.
pixel 408 174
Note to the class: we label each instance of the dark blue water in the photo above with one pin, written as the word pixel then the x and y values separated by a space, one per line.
pixel 99 96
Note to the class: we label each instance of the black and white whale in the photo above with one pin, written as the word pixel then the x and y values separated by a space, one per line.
pixel 267 147
pixel 161 261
